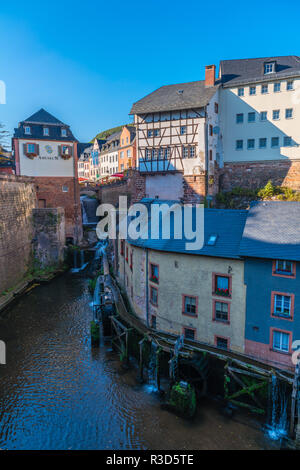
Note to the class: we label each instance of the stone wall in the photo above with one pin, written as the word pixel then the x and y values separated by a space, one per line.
pixel 17 199
pixel 134 186
pixel 49 236
pixel 254 175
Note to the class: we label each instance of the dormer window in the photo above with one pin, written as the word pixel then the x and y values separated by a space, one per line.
pixel 64 132
pixel 269 67
pixel 27 130
pixel 46 130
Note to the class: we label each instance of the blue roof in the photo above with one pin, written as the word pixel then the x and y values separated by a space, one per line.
pixel 272 230
pixel 226 224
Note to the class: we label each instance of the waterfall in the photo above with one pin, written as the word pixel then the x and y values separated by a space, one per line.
pixel 84 214
pixel 178 345
pixel 152 386
pixel 278 426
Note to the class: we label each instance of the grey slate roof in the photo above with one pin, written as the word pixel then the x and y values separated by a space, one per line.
pixel 42 116
pixel 272 231
pixel 243 71
pixel 167 98
pixel 37 122
pixel 227 224
pixel 84 148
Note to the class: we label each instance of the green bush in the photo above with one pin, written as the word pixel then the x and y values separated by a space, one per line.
pixel 183 400
pixel 92 284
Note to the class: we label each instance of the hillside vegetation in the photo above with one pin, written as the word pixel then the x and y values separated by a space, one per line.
pixel 105 134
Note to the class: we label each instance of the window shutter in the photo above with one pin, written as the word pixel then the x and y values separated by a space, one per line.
pixel 37 149
pixel 59 150
pixel 25 149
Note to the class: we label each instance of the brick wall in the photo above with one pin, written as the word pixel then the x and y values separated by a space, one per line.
pixel 256 174
pixel 17 199
pixel 50 194
pixel 194 189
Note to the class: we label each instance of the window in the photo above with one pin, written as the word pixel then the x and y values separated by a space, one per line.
pixel 46 130
pixel 251 117
pixel 126 140
pixel 154 275
pixel 276 87
pixel 222 285
pixel 282 305
pixel 64 132
pixel 210 155
pixel 287 141
pixel 284 267
pixel 192 152
pixel 276 114
pixel 263 115
pixel 289 113
pixel 262 143
pixel 183 130
pixel 210 130
pixel 65 189
pixel 241 92
pixel 281 341
pixel 153 322
pixel 275 142
pixel 65 150
pixel 27 130
pixel 30 148
pixel 150 133
pixel 251 144
pixel 189 305
pixel 252 90
pixel 264 89
pixel 156 132
pixel 148 154
pixel 153 295
pixel 216 108
pixel 128 153
pixel 189 333
pixel 269 67
pixel 185 152
pixel 221 342
pixel 126 254
pixel 221 311
pixel 121 154
pixel 154 154
pixel 240 118
pixel 167 153
pixel 122 247
pixel 239 145
pixel 290 85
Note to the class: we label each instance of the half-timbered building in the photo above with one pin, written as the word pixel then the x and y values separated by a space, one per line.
pixel 178 139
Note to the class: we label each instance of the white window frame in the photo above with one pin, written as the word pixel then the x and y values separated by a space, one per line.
pixel 287 111
pixel 277 84
pixel 264 87
pixel 248 141
pixel 280 348
pixel 266 140
pixel 27 130
pixel 276 114
pixel 269 67
pixel 241 91
pixel 265 113
pixel 46 131
pixel 64 132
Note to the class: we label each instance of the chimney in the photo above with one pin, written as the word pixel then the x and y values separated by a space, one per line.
pixel 210 72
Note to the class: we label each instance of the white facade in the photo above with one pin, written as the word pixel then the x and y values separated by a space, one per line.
pixel 48 162
pixel 266 124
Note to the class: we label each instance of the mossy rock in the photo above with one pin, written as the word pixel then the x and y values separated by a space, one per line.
pixel 183 400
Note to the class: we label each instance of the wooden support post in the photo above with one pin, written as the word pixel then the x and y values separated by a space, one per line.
pixel 141 363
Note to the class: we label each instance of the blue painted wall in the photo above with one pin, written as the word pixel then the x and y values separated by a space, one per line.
pixel 260 283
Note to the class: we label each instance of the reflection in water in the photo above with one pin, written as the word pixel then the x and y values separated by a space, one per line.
pixel 58 393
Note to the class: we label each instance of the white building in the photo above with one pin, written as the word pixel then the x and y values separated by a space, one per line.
pixel 178 138
pixel 108 157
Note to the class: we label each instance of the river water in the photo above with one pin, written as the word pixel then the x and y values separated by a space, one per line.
pixel 56 392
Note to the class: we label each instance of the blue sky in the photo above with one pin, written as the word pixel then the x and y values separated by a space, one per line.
pixel 87 62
